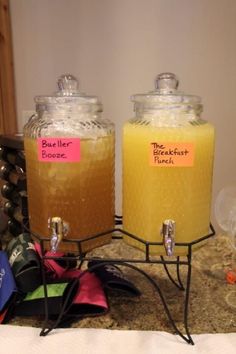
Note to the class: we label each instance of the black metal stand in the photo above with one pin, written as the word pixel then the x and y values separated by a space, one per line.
pixel 147 259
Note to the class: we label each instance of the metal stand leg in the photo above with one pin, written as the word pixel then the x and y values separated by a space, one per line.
pixel 179 285
pixel 187 338
pixel 130 263
pixel 186 303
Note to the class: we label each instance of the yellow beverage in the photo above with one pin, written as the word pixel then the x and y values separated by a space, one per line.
pixel 154 193
pixel 81 193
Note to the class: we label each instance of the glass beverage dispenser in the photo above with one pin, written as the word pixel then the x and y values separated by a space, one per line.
pixel 69 151
pixel 167 168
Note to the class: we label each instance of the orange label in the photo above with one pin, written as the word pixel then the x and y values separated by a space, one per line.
pixel 171 154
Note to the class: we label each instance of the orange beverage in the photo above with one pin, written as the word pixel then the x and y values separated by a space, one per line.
pixel 152 194
pixel 69 151
pixel 167 169
pixel 81 192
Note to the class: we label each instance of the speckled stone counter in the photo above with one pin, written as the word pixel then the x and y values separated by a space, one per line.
pixel 209 308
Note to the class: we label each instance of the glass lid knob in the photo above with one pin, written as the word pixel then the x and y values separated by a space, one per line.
pixel 167 82
pixel 68 85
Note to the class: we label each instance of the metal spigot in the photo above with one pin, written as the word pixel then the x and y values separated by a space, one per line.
pixel 168 232
pixel 59 229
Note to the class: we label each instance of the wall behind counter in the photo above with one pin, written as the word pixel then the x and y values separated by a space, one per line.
pixel 117 47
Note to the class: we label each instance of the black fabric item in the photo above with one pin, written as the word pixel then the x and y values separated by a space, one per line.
pixel 24 262
pixel 112 277
pixel 58 292
pixel 67 263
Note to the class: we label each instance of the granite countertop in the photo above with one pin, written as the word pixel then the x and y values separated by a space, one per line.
pixel 212 303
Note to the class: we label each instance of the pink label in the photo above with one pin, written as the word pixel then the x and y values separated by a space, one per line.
pixel 58 149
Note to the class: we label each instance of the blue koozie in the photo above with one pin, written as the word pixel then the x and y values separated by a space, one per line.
pixel 7 284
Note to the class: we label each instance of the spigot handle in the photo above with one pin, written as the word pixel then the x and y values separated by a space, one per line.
pixel 59 229
pixel 168 232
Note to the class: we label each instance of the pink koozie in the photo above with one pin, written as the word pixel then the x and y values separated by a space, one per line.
pixel 90 298
pixel 50 264
pixel 90 294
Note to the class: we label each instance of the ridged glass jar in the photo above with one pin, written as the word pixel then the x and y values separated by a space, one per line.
pixel 70 154
pixel 168 155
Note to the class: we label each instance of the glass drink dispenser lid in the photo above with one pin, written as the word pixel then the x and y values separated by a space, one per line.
pixel 166 95
pixel 68 93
